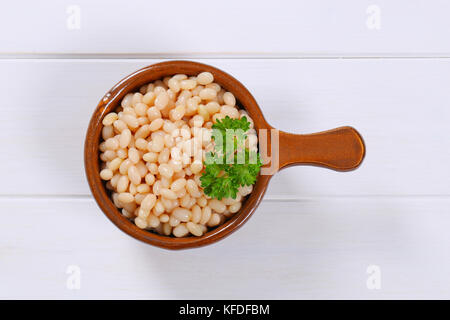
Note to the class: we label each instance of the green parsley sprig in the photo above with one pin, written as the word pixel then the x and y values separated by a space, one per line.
pixel 230 165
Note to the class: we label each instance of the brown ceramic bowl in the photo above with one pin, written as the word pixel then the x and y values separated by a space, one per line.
pixel 340 149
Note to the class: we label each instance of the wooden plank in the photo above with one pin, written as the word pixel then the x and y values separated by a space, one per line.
pixel 305 250
pixel 238 28
pixel 399 106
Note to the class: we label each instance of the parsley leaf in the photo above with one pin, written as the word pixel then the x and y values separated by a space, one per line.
pixel 231 165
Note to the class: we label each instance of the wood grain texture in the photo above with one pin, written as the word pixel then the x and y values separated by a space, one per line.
pixel 306 249
pixel 245 28
pixel 340 149
pixel 399 106
pixel 392 212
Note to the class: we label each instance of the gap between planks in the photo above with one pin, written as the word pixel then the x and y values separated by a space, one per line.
pixel 217 55
pixel 272 198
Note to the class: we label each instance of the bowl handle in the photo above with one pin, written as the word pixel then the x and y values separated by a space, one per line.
pixel 340 149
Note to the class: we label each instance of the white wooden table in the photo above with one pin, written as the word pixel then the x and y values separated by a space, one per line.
pixel 382 231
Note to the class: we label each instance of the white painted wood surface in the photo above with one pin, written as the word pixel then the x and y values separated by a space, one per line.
pixel 317 231
pixel 399 106
pixel 202 27
pixel 304 249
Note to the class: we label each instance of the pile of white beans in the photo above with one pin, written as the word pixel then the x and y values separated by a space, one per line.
pixel 153 150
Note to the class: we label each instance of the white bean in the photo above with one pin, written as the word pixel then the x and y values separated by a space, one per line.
pixel 134 155
pixel 217 205
pixel 122 153
pixel 157 144
pixel 205 78
pixel 235 207
pixel 149 202
pixel 109 155
pixel 173 221
pixel 162 100
pixel 165 170
pixel 149 98
pixel 141 144
pixel 115 164
pixel 107 132
pixel 206 215
pixel 196 213
pixel 139 197
pixel 140 223
pixel 110 118
pixel 180 230
pixel 143 132
pixel 229 99
pixel 112 144
pixel 134 175
pixel 230 201
pixel 167 229
pixel 214 220
pixel 163 156
pixel 143 213
pixel 168 194
pixel 137 97
pixel 153 221
pixel 196 166
pixel 208 94
pixel 194 228
pixel 142 168
pixel 202 201
pixel 126 101
pixel 130 120
pixel 232 112
pixel 181 214
pixel 150 179
pixel 178 184
pixel 188 84
pixel 122 183
pixel 125 197
pixel 106 174
pixel 150 156
pixel 156 124
pixel 192 188
pixel 164 218
pixel 119 125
